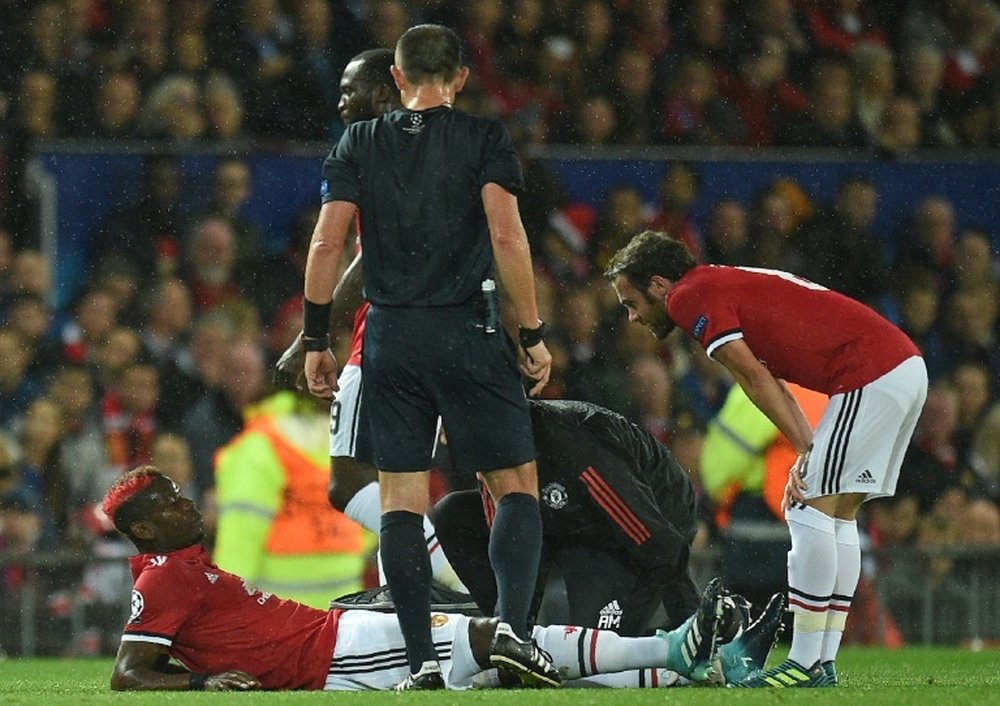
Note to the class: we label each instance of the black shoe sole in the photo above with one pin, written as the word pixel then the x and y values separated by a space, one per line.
pixel 529 678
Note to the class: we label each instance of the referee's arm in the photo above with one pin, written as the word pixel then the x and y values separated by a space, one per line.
pixel 513 259
pixel 322 263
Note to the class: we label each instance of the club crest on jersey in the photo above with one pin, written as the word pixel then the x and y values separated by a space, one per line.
pixel 699 326
pixel 416 124
pixel 157 560
pixel 438 620
pixel 137 604
pixel 555 496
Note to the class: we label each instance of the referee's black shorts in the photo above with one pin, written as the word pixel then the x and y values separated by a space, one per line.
pixel 421 363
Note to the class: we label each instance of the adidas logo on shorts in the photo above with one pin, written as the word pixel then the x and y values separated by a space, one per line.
pixel 866 477
pixel 610 616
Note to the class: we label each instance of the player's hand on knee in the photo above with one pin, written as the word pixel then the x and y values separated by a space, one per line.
pixel 795 487
pixel 321 373
pixel 231 681
pixel 536 364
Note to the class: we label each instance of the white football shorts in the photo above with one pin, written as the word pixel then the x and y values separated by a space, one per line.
pixel 344 412
pixel 860 441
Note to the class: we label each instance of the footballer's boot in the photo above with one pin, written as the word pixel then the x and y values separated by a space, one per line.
pixel 747 654
pixel 691 648
pixel 830 670
pixel 788 674
pixel 521 658
pixel 429 678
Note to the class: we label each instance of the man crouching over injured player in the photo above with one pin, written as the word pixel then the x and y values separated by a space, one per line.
pixel 196 627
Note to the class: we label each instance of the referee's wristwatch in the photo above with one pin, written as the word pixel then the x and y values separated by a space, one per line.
pixel 529 337
pixel 311 345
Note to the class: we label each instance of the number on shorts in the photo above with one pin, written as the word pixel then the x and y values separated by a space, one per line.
pixel 334 417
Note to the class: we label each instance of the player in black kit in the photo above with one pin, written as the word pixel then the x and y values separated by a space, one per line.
pixel 618 518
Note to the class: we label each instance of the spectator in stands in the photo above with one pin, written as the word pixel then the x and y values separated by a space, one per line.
pixel 223 108
pixel 189 55
pixel 618 220
pixel 6 267
pixel 386 22
pixel 969 325
pixel 115 110
pixel 899 133
pixel 166 319
pixel 930 241
pixel 82 451
pixel 128 413
pixel 760 91
pixel 196 370
pixel 837 248
pixel 631 91
pixel 651 390
pixel 259 56
pixel 874 73
pixel 918 301
pixel 773 230
pixel 143 40
pixel 119 277
pixel 763 22
pixel 975 262
pixel 170 453
pixel 218 415
pixel 973 384
pixel 693 113
pixel 931 464
pixel 726 235
pixel 18 387
pixel 828 121
pixel 29 315
pixel 973 53
pixel 594 122
pixel 39 468
pixel 678 190
pixel 596 43
pixel 647 28
pixel 703 31
pixel 232 186
pixel 113 354
pixel 315 76
pixel 921 74
pixel 172 110
pixel 148 230
pixel 210 264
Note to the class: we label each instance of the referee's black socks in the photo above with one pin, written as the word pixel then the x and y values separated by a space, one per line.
pixel 407 570
pixel 515 548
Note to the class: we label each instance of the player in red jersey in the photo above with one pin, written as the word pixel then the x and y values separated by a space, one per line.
pixel 767 327
pixel 225 634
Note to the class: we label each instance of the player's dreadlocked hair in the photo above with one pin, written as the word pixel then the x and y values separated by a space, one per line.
pixel 649 254
pixel 122 491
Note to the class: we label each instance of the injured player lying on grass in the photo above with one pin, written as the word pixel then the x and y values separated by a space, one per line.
pixel 194 626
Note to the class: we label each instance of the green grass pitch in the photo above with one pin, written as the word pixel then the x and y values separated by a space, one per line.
pixel 871 677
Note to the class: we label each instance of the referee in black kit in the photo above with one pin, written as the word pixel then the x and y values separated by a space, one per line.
pixel 618 518
pixel 435 190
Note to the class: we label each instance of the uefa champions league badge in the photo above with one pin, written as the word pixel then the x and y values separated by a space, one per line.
pixel 555 496
pixel 137 604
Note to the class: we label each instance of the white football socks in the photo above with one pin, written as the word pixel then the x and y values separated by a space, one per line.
pixel 581 652
pixel 812 573
pixel 848 572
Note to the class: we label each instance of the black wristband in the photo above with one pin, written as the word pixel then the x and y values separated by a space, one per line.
pixel 197 681
pixel 529 337
pixel 315 319
pixel 310 345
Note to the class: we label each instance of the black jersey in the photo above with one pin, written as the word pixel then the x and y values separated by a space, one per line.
pixel 416 178
pixel 589 456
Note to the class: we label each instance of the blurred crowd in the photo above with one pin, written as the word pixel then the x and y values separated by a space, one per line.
pixel 169 341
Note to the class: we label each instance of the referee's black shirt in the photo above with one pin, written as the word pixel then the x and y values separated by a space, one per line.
pixel 416 178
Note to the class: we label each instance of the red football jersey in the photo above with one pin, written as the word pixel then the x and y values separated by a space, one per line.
pixel 213 621
pixel 802 332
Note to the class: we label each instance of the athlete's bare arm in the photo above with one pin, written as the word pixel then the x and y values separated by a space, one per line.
pixel 513 259
pixel 145 666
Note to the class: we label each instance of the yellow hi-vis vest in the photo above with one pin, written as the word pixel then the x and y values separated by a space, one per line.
pixel 276 527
